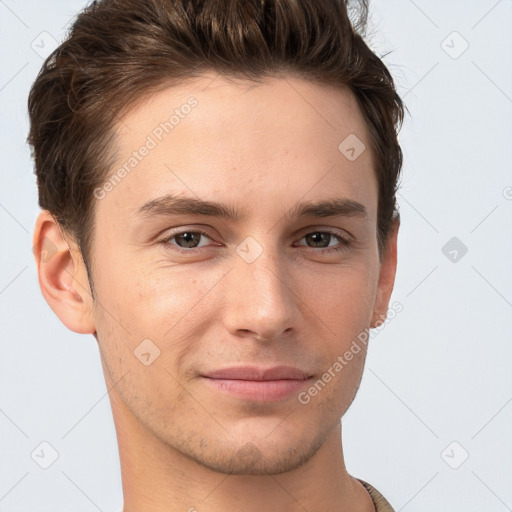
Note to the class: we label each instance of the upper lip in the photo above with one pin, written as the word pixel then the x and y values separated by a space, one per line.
pixel 258 373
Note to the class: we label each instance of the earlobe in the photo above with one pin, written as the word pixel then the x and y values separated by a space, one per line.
pixel 62 275
pixel 386 277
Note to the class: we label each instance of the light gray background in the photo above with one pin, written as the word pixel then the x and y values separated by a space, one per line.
pixel 438 373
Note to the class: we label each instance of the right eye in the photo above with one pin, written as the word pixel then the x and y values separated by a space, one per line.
pixel 185 240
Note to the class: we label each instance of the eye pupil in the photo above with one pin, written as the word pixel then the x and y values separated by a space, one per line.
pixel 188 236
pixel 316 238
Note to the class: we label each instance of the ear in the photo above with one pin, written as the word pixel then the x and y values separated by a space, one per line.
pixel 386 276
pixel 62 275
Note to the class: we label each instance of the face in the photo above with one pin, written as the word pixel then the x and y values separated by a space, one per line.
pixel 180 294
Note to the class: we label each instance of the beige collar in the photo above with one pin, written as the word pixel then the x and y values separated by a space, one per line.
pixel 381 504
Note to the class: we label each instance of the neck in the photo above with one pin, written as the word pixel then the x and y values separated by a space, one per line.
pixel 157 477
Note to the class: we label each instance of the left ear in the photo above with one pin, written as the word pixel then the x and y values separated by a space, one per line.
pixel 386 276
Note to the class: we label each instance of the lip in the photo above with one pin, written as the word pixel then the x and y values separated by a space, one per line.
pixel 259 373
pixel 257 383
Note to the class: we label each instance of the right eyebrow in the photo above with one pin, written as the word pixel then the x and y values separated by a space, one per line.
pixel 173 205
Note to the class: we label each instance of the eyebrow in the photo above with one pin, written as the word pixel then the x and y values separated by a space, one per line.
pixel 173 205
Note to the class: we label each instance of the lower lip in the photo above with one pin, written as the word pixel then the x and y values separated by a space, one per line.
pixel 263 391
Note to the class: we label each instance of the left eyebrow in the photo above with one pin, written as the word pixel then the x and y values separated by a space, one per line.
pixel 173 205
pixel 338 207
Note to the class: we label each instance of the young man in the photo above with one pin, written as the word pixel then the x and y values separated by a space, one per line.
pixel 218 183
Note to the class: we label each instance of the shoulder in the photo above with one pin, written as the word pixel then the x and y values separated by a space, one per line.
pixel 381 504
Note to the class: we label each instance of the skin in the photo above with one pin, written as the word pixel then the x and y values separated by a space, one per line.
pixel 262 148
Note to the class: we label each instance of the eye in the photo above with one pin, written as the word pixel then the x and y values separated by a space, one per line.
pixel 324 238
pixel 186 239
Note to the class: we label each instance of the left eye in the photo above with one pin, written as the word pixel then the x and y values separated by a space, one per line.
pixel 320 236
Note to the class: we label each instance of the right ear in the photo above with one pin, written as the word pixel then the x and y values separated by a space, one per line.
pixel 62 275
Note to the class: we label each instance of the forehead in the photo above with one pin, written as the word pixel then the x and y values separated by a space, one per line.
pixel 271 143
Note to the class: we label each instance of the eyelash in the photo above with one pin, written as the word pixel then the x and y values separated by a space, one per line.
pixel 344 242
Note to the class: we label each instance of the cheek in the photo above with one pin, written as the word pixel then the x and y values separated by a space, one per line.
pixel 149 300
pixel 169 306
pixel 342 302
pixel 133 338
pixel 173 300
pixel 342 298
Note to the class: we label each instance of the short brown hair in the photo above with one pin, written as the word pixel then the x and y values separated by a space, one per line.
pixel 118 51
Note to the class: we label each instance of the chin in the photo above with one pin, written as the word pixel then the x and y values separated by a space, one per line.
pixel 251 460
pixel 261 452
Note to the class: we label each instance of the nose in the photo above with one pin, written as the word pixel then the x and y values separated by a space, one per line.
pixel 260 301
